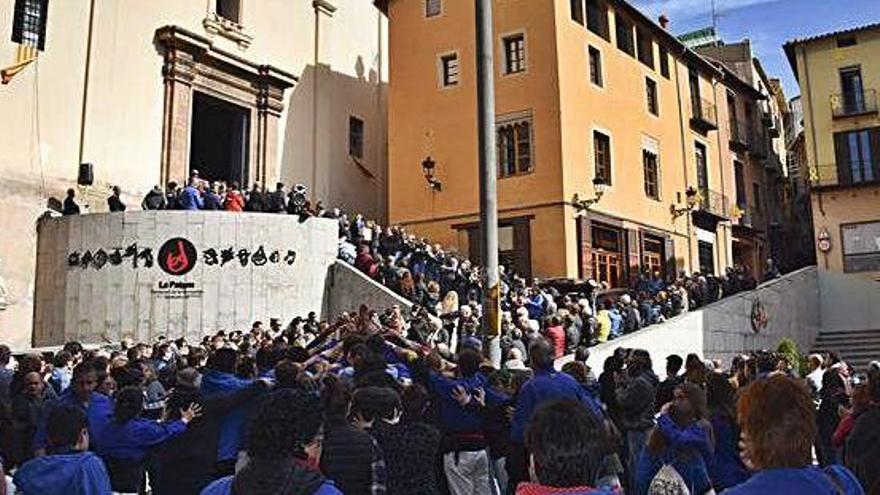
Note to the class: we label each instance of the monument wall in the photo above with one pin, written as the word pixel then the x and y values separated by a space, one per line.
pixel 106 276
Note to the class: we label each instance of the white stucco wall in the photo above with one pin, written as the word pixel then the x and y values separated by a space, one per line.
pixel 850 302
pixel 104 302
pixel 723 330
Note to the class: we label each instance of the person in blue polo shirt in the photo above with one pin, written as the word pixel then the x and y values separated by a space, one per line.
pixel 81 394
pixel 126 441
pixel 69 469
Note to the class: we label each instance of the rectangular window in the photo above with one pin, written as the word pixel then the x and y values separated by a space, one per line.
pixel 741 200
pixel 514 147
pixel 664 62
pixel 694 84
pixel 852 90
pixel 646 47
pixel 602 157
pixel 624 31
pixel 433 8
pixel 577 11
pixel 449 69
pixel 29 22
pixel 858 156
pixel 702 169
pixel 861 247
pixel 756 197
pixel 606 255
pixel 651 94
pixel 597 18
pixel 356 137
pixel 846 41
pixel 230 10
pixel 595 66
pixel 514 54
pixel 707 257
pixel 652 185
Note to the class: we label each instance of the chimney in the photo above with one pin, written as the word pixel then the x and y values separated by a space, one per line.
pixel 664 21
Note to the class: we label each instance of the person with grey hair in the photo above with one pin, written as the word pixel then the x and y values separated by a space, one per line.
pixel 191 197
pixel 817 369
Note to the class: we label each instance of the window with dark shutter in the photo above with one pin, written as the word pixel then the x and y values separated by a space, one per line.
pixel 602 157
pixel 29 22
pixel 597 18
pixel 577 11
pixel 664 62
pixel 649 164
pixel 595 66
pixel 356 137
pixel 651 95
pixel 624 31
pixel 515 54
pixel 514 143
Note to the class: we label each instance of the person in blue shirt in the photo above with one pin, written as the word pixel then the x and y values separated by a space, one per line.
pixel 283 446
pixel 465 458
pixel 127 440
pixel 191 197
pixel 681 439
pixel 727 469
pixel 545 385
pixel 97 407
pixel 61 372
pixel 778 422
pixel 220 379
pixel 69 469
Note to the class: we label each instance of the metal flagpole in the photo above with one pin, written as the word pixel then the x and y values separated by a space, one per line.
pixel 488 180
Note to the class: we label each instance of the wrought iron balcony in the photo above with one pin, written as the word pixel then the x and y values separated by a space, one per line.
pixel 774 128
pixel 739 135
pixel 713 203
pixel 853 103
pixel 704 115
pixel 758 143
pixel 845 174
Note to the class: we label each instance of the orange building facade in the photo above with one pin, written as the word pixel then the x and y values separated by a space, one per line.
pixel 591 96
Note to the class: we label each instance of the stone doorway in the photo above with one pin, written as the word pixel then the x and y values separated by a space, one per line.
pixel 219 140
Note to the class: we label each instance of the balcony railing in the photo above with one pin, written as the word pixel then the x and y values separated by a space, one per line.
pixel 845 174
pixel 758 142
pixel 714 203
pixel 854 103
pixel 739 135
pixel 772 163
pixel 704 116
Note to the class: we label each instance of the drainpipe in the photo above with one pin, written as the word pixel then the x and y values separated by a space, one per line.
pixel 684 162
pixel 721 169
pixel 85 94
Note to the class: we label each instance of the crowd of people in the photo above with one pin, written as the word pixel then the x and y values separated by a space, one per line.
pixel 449 286
pixel 367 405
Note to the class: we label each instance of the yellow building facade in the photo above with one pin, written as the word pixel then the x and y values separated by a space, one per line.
pixel 839 76
pixel 587 92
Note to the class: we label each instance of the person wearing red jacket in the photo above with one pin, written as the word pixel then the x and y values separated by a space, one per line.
pixel 556 335
pixel 234 200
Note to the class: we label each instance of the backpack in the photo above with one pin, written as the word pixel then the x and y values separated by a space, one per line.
pixel 668 481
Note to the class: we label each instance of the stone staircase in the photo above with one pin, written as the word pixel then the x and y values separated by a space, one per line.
pixel 856 348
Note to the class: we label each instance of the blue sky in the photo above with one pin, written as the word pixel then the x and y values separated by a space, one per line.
pixel 768 23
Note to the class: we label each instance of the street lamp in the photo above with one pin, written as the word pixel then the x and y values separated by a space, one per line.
pixel 428 165
pixel 691 200
pixel 583 205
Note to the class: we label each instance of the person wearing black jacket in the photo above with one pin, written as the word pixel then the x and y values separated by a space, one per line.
pixel 187 463
pixel 256 201
pixel 70 207
pixel 114 202
pixel 276 201
pixel 350 457
pixel 154 200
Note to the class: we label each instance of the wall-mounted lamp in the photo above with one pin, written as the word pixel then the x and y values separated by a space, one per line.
pixel 583 205
pixel 428 165
pixel 691 200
